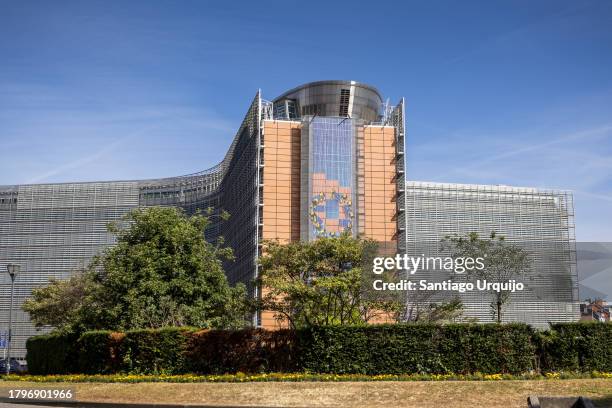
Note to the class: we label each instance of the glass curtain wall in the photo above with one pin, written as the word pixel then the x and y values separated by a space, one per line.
pixel 331 183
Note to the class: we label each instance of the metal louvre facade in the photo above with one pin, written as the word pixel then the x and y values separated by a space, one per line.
pixel 239 196
pixel 541 221
pixel 51 231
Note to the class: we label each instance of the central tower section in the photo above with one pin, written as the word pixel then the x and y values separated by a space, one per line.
pixel 332 162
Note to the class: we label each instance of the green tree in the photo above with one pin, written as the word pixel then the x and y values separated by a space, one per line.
pixel 421 308
pixel 322 282
pixel 503 261
pixel 60 303
pixel 161 272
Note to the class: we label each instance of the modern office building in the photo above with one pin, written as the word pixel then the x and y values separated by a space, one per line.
pixel 320 159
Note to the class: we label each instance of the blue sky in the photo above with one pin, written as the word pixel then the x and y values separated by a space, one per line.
pixel 516 93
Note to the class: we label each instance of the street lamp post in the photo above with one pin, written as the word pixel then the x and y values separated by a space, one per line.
pixel 13 270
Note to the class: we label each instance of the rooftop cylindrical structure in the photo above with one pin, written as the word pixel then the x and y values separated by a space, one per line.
pixel 331 98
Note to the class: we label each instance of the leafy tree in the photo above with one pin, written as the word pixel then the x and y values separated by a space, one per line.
pixel 502 261
pixel 60 302
pixel 322 282
pixel 161 272
pixel 420 307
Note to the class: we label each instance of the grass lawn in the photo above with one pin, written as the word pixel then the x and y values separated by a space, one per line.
pixel 423 394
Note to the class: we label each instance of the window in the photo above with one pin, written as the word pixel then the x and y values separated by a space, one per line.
pixel 345 95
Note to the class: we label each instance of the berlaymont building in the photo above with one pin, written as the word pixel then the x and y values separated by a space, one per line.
pixel 320 159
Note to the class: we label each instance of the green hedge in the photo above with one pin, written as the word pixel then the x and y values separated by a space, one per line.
pixel 417 348
pixel 99 352
pixel 380 349
pixel 577 347
pixel 247 351
pixel 160 351
pixel 487 348
pixel 52 354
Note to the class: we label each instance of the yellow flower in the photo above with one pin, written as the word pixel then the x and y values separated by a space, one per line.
pixel 552 375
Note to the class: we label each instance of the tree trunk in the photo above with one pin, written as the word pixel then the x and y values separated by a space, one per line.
pixel 499 305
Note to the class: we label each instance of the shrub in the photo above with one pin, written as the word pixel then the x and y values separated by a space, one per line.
pixel 396 349
pixel 155 351
pixel 250 350
pixel 52 353
pixel 99 352
pixel 577 347
pixel 487 348
pixel 417 348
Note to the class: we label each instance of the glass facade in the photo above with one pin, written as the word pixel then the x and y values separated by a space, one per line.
pixel 331 176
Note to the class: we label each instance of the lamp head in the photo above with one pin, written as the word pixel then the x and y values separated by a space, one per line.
pixel 13 270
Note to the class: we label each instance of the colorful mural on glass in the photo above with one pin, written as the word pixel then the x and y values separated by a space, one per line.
pixel 331 210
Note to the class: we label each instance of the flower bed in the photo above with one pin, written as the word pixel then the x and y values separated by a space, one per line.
pixel 295 377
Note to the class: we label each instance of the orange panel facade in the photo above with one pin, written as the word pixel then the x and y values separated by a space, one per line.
pixel 281 189
pixel 379 192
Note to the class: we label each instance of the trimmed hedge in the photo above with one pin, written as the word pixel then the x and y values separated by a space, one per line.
pixel 162 351
pixel 420 348
pixel 52 353
pixel 369 350
pixel 98 352
pixel 247 351
pixel 577 347
pixel 144 351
